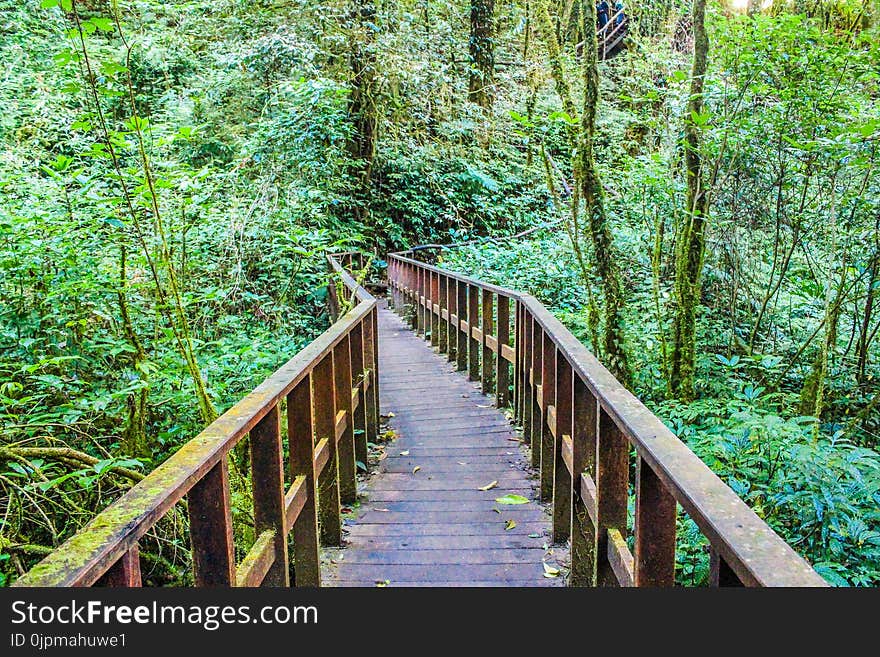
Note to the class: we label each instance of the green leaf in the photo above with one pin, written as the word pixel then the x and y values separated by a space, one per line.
pixel 361 465
pixel 510 498
pixel 48 4
pixel 103 24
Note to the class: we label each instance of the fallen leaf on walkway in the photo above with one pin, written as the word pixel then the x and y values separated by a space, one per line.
pixel 489 486
pixel 510 498
pixel 405 453
pixel 461 462
pixel 534 536
pixel 390 414
pixel 381 583
pixel 510 525
pixel 416 469
pixel 550 571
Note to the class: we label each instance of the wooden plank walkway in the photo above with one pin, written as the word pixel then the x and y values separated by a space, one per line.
pixel 434 527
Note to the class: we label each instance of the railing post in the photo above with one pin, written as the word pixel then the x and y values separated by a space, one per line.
pixel 442 332
pixel 435 317
pixel 720 572
pixel 325 428
pixel 461 340
pixel 488 327
pixel 537 413
pixel 612 471
pixel 562 478
pixel 360 382
pixel 345 450
pixel 451 310
pixel 502 373
pixel 548 396
pixel 473 322
pixel 528 387
pixel 125 573
pixel 301 442
pixel 654 529
pixel 520 350
pixel 583 460
pixel 267 477
pixel 420 293
pixel 210 527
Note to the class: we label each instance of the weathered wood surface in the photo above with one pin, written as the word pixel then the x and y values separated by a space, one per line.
pixel 435 527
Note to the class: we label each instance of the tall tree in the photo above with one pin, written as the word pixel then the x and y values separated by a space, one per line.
pixel 691 230
pixel 589 187
pixel 482 53
pixel 362 99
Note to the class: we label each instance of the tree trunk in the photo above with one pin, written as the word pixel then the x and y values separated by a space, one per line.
pixel 362 100
pixel 691 238
pixel 482 53
pixel 590 187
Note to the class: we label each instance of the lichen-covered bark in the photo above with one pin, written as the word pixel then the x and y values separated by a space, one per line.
pixel 691 237
pixel 593 196
pixel 481 82
pixel 362 109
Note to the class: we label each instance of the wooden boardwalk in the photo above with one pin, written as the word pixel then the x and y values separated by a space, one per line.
pixel 434 527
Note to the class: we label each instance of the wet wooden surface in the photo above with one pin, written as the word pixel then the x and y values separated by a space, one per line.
pixel 435 527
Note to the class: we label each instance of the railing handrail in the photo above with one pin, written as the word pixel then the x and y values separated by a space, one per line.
pixel 750 547
pixel 88 555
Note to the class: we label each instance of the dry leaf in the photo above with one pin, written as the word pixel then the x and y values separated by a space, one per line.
pixel 382 582
pixel 510 525
pixel 405 453
pixel 550 571
pixel 416 469
pixel 489 486
pixel 390 414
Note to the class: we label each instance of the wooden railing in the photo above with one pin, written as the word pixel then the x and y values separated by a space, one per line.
pixel 331 412
pixel 585 429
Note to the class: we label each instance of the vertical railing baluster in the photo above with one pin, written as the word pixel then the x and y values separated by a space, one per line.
pixel 720 572
pixel 473 321
pixel 654 527
pixel 301 443
pixel 374 370
pixel 435 317
pixel 451 330
pixel 369 386
pixel 487 378
pixel 325 428
pixel 442 323
pixel 420 308
pixel 562 478
pixel 548 394
pixel 519 349
pixel 537 413
pixel 461 312
pixel 210 527
pixel 267 478
pixel 360 382
pixel 612 472
pixel 125 573
pixel 585 421
pixel 502 368
pixel 345 450
pixel 528 386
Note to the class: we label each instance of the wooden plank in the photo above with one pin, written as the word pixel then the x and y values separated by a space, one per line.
pixel 620 558
pixel 306 561
pixel 492 343
pixel 461 340
pixel 322 455
pixel 508 353
pixel 654 530
pixel 340 424
pixel 267 481
pixel 589 496
pixel 258 562
pixel 567 455
pixel 551 419
pixel 210 528
pixel 295 501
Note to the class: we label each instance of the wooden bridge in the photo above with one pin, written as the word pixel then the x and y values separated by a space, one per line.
pixel 433 511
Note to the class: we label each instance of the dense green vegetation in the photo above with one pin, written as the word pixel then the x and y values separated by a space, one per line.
pixel 172 173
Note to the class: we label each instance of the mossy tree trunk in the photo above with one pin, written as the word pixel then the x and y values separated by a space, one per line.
pixel 591 192
pixel 362 107
pixel 481 82
pixel 691 233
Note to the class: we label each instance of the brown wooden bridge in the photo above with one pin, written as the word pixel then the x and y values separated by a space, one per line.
pixel 432 512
